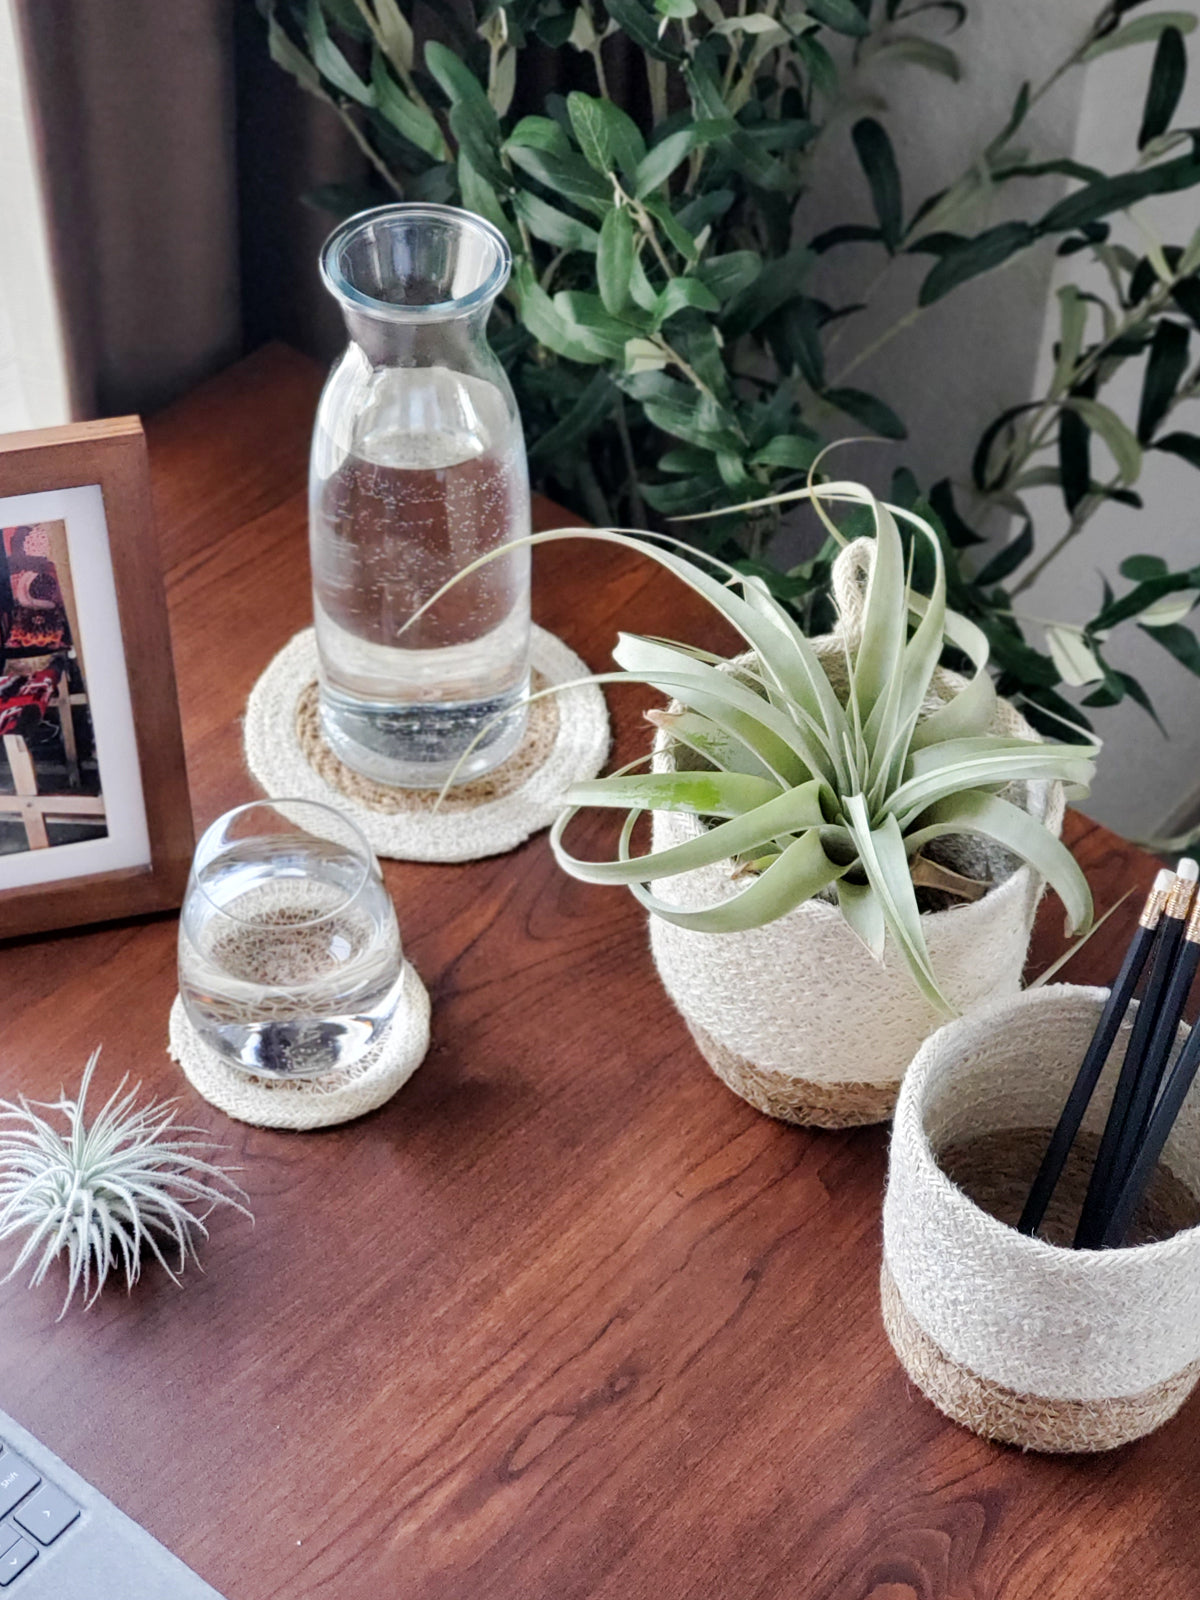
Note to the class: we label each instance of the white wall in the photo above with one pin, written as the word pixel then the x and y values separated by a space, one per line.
pixel 33 379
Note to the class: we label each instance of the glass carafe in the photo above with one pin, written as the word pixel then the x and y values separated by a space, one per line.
pixel 418 467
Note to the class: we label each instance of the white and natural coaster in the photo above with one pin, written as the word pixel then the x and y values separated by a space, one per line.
pixel 567 739
pixel 302 1103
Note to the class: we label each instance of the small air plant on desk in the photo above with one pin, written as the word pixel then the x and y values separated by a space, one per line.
pixel 102 1193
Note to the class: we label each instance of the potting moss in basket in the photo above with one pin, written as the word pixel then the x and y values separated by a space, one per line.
pixel 848 840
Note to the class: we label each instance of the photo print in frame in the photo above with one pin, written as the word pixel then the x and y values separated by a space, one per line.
pixel 95 821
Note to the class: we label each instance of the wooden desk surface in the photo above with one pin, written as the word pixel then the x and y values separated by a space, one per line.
pixel 566 1320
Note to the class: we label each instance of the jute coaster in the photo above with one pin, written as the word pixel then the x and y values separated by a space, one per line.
pixel 567 739
pixel 302 1103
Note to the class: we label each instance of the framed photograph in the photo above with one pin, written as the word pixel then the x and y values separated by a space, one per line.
pixel 95 820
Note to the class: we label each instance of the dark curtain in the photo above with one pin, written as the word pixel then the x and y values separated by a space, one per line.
pixel 176 159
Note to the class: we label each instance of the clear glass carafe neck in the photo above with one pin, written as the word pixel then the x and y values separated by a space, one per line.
pixel 416 283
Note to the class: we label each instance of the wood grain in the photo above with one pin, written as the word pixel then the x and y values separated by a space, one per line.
pixel 565 1321
pixel 112 453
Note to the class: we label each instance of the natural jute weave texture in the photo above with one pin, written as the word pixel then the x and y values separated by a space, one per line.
pixel 567 739
pixel 304 1103
pixel 797 1017
pixel 1022 1339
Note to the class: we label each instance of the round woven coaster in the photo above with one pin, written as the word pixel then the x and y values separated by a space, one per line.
pixel 302 1103
pixel 805 1101
pixel 566 739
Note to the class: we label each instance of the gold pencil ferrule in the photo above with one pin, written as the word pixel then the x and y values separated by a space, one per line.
pixel 1153 909
pixel 1192 931
pixel 1179 898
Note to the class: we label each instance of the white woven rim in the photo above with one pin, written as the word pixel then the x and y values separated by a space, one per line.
pixel 276 760
pixel 302 1103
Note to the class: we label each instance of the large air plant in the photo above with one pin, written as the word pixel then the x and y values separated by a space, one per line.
pixel 101 1192
pixel 807 787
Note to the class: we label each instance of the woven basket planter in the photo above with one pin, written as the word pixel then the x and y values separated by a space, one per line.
pixel 797 1017
pixel 1022 1339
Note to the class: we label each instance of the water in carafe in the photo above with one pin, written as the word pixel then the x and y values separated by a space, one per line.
pixel 418 468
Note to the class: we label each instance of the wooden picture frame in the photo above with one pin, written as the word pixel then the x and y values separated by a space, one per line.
pixel 92 763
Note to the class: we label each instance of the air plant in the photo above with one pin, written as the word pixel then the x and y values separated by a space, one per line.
pixel 102 1193
pixel 808 786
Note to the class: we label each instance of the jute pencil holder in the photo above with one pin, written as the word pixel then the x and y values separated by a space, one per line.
pixel 1025 1340
pixel 797 1017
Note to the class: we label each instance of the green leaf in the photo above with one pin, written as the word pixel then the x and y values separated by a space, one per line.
pixel 921 52
pixel 547 323
pixel 677 235
pixel 1165 367
pixel 778 282
pixel 641 23
pixel 553 226
pixel 478 195
pixel 1181 642
pixel 726 275
pixel 567 176
pixel 593 407
pixel 1167 79
pixel 330 61
pixel 785 450
pixel 607 137
pixel 540 133
pixel 462 88
pixel 1074 456
pixel 591 132
pixel 680 294
pixel 593 323
pixel 1007 560
pixel 1124 448
pixel 868 409
pixel 614 263
pixel 408 118
pixel 1140 568
pixel 290 57
pixel 843 16
pixel 1117 194
pixel 1184 445
pixel 879 163
pixel 982 254
pixel 1141 31
pixel 660 161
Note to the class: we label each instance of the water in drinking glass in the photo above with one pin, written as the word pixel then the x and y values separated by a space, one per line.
pixel 289 954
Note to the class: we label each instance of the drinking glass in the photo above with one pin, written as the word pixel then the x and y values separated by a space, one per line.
pixel 289 954
pixel 418 468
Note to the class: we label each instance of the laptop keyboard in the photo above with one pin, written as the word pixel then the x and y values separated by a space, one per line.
pixel 33 1515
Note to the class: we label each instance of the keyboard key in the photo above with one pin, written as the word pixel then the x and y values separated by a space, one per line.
pixel 46 1514
pixel 14 1561
pixel 17 1478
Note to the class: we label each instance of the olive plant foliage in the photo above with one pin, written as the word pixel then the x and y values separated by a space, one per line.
pixel 667 345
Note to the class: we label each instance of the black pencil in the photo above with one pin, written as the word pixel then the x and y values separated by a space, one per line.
pixel 1105 1180
pixel 1084 1086
pixel 1162 1120
pixel 1158 1052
